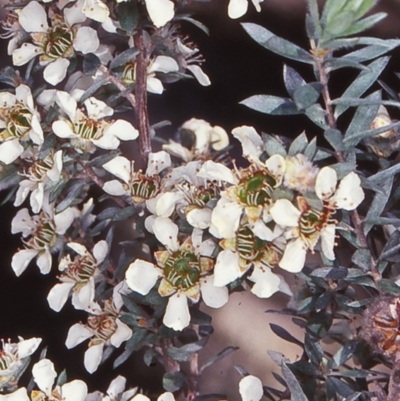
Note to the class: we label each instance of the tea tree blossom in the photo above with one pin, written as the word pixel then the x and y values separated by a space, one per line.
pixel 140 187
pixel 115 391
pixel 103 328
pixel 305 225
pixel 44 376
pixel 19 395
pixel 19 122
pixel 160 11
pixel 250 388
pixel 78 276
pixel 300 173
pixel 185 272
pixel 38 175
pixel 238 8
pixel 90 129
pixel 13 358
pixel 43 230
pixel 56 43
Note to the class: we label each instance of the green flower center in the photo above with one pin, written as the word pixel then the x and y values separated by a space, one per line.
pixel 88 129
pixel 19 120
pixel 249 247
pixel 143 188
pixel 182 269
pixel 45 235
pixel 6 360
pixel 37 172
pixel 257 189
pixel 81 269
pixel 129 74
pixel 104 327
pixel 58 42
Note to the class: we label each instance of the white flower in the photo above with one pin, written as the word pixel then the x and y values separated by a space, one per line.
pixel 18 395
pixel 191 61
pixel 307 225
pixel 162 64
pixel 44 375
pixel 43 230
pixel 13 359
pixel 140 187
pixel 160 11
pixel 205 136
pixel 237 8
pixel 250 388
pixel 19 121
pixel 56 43
pixel 78 276
pixel 184 271
pixel 104 328
pixel 39 174
pixel 300 173
pixel 250 195
pixel 87 130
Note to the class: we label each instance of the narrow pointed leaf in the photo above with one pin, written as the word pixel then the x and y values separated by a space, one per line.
pixel 269 104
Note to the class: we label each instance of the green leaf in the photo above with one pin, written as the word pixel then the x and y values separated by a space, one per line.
pixel 338 387
pixel 362 258
pixel 276 44
pixel 365 24
pixel 90 64
pixel 284 334
pixel 128 16
pixel 296 392
pixel 124 57
pixel 359 136
pixel 184 353
pixel 388 287
pixel 307 95
pixel 371 51
pixel 343 354
pixel 364 6
pixel 313 349
pixel 317 115
pixel 269 104
pixel 222 354
pixel 173 381
pixel 93 89
pixel 333 273
pixel 76 191
pixel 196 23
pixel 292 79
pixel 122 358
pixel 379 203
pixel 272 146
pixel 335 139
pixel 383 175
pixel 311 149
pixel 298 145
pixel 116 213
pixel 363 82
pixel 337 25
pixel 319 324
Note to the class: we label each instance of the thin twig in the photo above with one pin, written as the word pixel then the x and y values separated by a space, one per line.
pixel 394 381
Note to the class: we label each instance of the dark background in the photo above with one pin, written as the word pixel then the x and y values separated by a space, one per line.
pixel 238 68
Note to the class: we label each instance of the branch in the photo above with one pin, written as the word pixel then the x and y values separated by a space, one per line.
pixel 394 381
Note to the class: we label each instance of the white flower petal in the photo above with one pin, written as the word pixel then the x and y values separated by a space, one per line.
pixel 158 162
pixel 166 397
pixel 33 18
pixel 163 64
pixel 141 276
pixel 166 203
pixel 262 231
pixel 73 15
pixel 226 268
pixel 18 395
pixel 214 297
pixel 219 138
pixel 199 217
pixel 256 4
pixel 97 109
pixel 251 389
pixel 349 193
pixel 166 232
pixel 36 199
pixel 24 94
pixel 76 390
pixel 77 334
pixel 93 357
pixel 285 213
pixel 123 130
pixel 55 171
pixel 251 141
pixel 63 220
pixel 78 248
pixel 116 387
pixel 119 166
pixel 328 241
pixel 25 53
pixel 86 40
pixel 177 315
pixel 100 251
pixel 21 260
pixel 83 298
pixel 237 8
pixel 22 222
pixel 56 71
pixel 67 104
pixel 63 129
pixel 154 85
pixel 25 186
pixel 114 187
pixel 160 11
pixel 199 74
pixel 294 256
pixel 325 183
pixel 58 295
pixel 266 282
pixel 123 333
pixel 96 10
pixel 43 262
pixel 28 347
pixel 276 166
pixel 36 132
pixel 10 151
pixel 44 375
pixel 217 171
pixel 226 217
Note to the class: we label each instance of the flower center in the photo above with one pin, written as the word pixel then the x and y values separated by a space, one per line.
pixel 256 189
pixel 143 187
pixel 88 129
pixel 6 360
pixel 249 247
pixel 44 236
pixel 58 41
pixel 104 326
pixel 37 172
pixel 81 269
pixel 129 73
pixel 18 122
pixel 182 269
